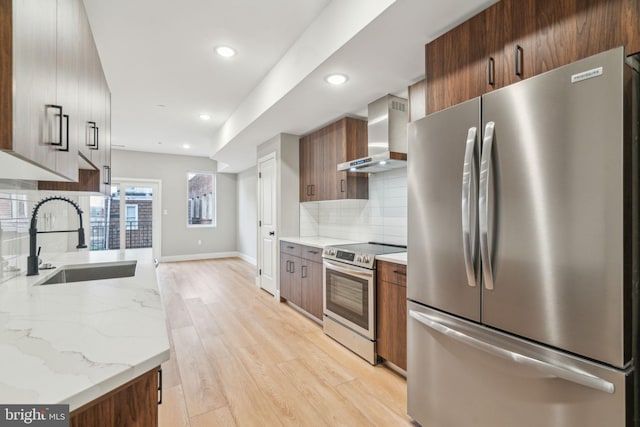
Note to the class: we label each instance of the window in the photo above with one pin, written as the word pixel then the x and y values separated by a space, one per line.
pixel 201 201
pixel 131 218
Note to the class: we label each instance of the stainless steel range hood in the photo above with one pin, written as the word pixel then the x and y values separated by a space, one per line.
pixel 387 137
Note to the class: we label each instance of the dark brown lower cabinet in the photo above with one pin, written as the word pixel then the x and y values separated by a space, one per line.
pixel 134 404
pixel 391 322
pixel 301 277
pixel 290 272
pixel 311 273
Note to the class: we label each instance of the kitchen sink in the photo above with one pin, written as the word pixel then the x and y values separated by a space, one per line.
pixel 85 272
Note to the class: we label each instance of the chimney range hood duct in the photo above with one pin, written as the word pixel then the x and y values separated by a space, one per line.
pixel 387 137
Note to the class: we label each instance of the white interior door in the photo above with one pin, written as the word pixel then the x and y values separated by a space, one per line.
pixel 267 243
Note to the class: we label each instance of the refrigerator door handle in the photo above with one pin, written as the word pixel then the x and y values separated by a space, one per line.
pixel 567 373
pixel 467 177
pixel 483 201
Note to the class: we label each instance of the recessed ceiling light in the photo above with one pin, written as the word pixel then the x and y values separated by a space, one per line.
pixel 225 51
pixel 186 146
pixel 336 79
pixel 205 116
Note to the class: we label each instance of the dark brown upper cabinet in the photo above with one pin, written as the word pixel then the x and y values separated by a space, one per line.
pixel 517 39
pixel 320 153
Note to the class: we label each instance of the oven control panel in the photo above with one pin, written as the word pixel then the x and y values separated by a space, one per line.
pixel 350 257
pixel 346 256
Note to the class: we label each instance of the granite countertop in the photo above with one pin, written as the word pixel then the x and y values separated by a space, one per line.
pixel 318 241
pixel 398 258
pixel 74 342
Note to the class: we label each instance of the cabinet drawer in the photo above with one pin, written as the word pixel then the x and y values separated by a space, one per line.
pixel 392 272
pixel 311 253
pixel 290 248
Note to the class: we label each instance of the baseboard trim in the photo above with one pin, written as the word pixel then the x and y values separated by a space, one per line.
pixel 196 257
pixel 247 258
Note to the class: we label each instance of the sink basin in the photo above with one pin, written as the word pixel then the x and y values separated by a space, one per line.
pixel 99 271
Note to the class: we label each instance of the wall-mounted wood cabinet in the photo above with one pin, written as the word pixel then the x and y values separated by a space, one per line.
pixel 517 39
pixel 45 82
pixel 301 277
pixel 96 113
pixel 38 63
pixel 320 153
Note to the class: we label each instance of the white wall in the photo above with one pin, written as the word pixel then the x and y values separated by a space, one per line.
pixel 382 218
pixel 247 187
pixel 180 242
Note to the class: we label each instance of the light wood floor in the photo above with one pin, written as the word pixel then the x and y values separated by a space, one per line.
pixel 239 358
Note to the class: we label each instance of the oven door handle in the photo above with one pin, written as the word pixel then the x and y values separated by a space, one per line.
pixel 362 273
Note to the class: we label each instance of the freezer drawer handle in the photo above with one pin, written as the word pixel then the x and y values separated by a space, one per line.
pixel 467 171
pixel 565 372
pixel 485 168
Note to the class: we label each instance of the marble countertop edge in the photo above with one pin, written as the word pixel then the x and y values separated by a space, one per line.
pixel 63 313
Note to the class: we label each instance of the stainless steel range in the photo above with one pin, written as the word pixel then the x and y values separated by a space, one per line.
pixel 349 297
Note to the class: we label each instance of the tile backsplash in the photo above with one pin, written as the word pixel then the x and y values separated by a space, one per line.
pixel 382 218
pixel 17 200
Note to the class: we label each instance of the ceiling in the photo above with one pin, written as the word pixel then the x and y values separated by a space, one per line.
pixel 159 61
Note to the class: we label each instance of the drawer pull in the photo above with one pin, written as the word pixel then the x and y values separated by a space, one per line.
pixel 402 273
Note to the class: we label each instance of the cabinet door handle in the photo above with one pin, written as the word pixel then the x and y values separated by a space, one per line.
pixel 303 271
pixel 342 185
pixel 97 130
pixel 293 266
pixel 308 190
pixel 107 175
pixel 91 142
pixel 312 188
pixel 491 72
pixel 272 233
pixel 66 120
pixel 288 270
pixel 519 52
pixel 60 118
pixel 160 386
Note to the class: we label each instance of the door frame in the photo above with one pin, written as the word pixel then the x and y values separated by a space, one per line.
pixel 266 157
pixel 156 235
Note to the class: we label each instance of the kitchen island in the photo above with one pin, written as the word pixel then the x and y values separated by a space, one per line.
pixel 75 342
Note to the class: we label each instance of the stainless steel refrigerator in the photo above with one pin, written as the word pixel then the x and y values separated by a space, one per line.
pixel 523 253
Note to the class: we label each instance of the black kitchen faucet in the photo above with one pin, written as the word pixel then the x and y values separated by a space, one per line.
pixel 32 260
